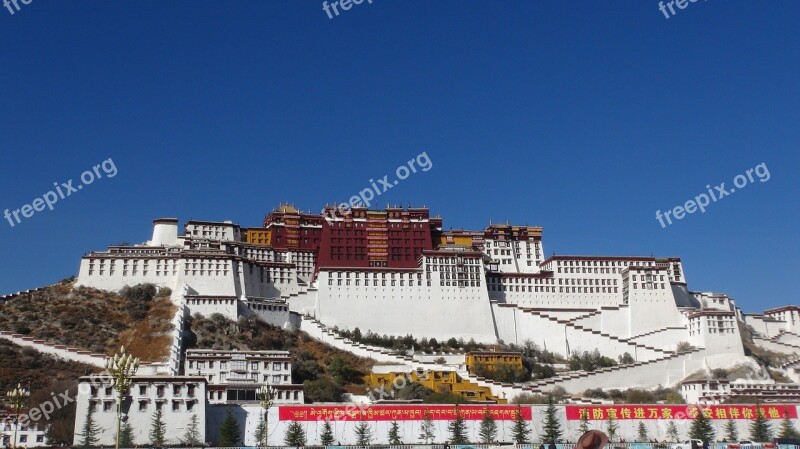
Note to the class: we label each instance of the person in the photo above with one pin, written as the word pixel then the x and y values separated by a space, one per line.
pixel 552 445
pixel 541 446
pixel 446 445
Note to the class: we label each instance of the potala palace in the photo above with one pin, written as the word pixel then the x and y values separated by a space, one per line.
pixel 398 272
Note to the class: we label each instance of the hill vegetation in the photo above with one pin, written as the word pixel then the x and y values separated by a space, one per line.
pixel 95 320
pixel 43 374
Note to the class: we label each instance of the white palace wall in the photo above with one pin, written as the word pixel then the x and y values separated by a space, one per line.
pixel 430 312
pixel 516 326
pixel 652 310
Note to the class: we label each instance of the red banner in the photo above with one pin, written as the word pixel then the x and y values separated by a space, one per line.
pixel 603 412
pixel 355 412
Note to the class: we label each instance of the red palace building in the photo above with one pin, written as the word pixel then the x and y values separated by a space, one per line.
pixel 391 238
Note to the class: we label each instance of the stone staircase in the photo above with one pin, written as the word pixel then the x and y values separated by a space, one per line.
pixel 303 289
pixel 571 323
pixel 617 377
pixel 316 329
pixel 653 332
pixel 9 297
pixel 547 384
pixel 612 377
pixel 773 344
pixel 72 354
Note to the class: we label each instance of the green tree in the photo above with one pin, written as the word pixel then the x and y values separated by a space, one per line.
pixel 363 433
pixel 126 435
pixel 158 429
pixel 426 428
pixel 488 428
pixel 229 432
pixel 584 427
pixel 520 432
pixel 90 430
pixel 295 435
pixel 326 438
pixel 641 434
pixel 340 370
pixel 192 435
pixel 701 428
pixel 552 427
pixel 458 429
pixel 261 431
pixel 611 428
pixel 322 390
pixel 760 429
pixel 787 429
pixel 731 433
pixel 394 433
pixel 672 432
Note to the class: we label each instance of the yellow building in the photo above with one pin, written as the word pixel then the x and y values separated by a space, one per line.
pixel 438 381
pixel 257 236
pixel 490 360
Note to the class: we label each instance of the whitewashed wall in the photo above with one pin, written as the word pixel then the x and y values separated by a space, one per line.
pixel 430 312
pixel 249 416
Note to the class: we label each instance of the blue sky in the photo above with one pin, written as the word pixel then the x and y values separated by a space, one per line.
pixel 582 117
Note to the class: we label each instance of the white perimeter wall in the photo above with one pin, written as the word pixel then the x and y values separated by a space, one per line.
pixel 248 417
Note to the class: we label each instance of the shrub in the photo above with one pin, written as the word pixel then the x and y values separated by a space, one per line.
pixel 322 390
pixel 138 299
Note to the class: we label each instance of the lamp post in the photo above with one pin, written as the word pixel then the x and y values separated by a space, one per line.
pixel 16 398
pixel 266 395
pixel 122 368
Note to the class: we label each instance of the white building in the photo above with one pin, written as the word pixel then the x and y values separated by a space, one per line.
pixel 721 391
pixel 180 398
pixel 236 376
pixel 26 435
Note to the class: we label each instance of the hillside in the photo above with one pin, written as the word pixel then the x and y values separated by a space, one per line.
pixel 327 372
pixel 43 374
pixel 94 320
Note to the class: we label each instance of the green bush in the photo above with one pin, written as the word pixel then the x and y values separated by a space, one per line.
pixel 138 299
